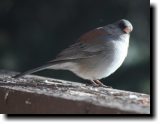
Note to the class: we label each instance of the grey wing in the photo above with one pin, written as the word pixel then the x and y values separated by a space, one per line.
pixel 79 51
pixel 90 44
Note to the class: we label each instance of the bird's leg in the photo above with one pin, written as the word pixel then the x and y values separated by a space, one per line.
pixel 94 83
pixel 101 84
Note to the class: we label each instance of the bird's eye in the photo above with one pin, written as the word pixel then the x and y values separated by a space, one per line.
pixel 122 25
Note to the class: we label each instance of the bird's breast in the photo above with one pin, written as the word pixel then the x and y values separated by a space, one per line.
pixel 107 63
pixel 114 58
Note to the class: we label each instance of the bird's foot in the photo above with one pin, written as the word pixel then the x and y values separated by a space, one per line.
pixel 94 84
pixel 98 83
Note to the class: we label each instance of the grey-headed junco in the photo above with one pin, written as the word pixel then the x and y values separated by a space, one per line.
pixel 96 54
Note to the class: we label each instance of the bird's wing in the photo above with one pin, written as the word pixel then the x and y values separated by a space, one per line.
pixel 87 46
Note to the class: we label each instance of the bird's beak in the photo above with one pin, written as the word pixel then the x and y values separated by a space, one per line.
pixel 128 29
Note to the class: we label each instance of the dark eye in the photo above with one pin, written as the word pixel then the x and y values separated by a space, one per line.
pixel 122 25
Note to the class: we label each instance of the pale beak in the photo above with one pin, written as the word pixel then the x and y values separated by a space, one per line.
pixel 128 29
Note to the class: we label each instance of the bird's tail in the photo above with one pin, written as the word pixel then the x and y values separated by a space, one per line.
pixel 38 68
pixel 31 71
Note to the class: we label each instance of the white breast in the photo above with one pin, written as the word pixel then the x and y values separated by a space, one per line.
pixel 112 60
pixel 119 54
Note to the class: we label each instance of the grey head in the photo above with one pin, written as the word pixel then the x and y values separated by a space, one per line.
pixel 120 27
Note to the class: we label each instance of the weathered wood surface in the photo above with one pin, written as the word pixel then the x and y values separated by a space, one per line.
pixel 35 94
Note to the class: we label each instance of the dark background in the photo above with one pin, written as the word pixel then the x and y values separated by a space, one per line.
pixel 33 32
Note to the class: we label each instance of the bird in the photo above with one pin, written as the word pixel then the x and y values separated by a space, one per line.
pixel 95 55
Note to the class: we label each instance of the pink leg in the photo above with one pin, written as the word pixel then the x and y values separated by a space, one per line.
pixel 94 83
pixel 101 84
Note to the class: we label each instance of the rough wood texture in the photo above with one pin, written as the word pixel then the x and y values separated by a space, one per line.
pixel 35 94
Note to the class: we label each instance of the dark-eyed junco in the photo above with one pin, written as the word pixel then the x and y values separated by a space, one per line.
pixel 96 54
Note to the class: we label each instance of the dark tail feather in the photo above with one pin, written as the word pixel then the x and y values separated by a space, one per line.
pixel 32 71
pixel 37 69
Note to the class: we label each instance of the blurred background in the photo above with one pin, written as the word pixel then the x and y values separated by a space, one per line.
pixel 33 32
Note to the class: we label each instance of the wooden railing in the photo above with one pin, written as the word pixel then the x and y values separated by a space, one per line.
pixel 35 94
